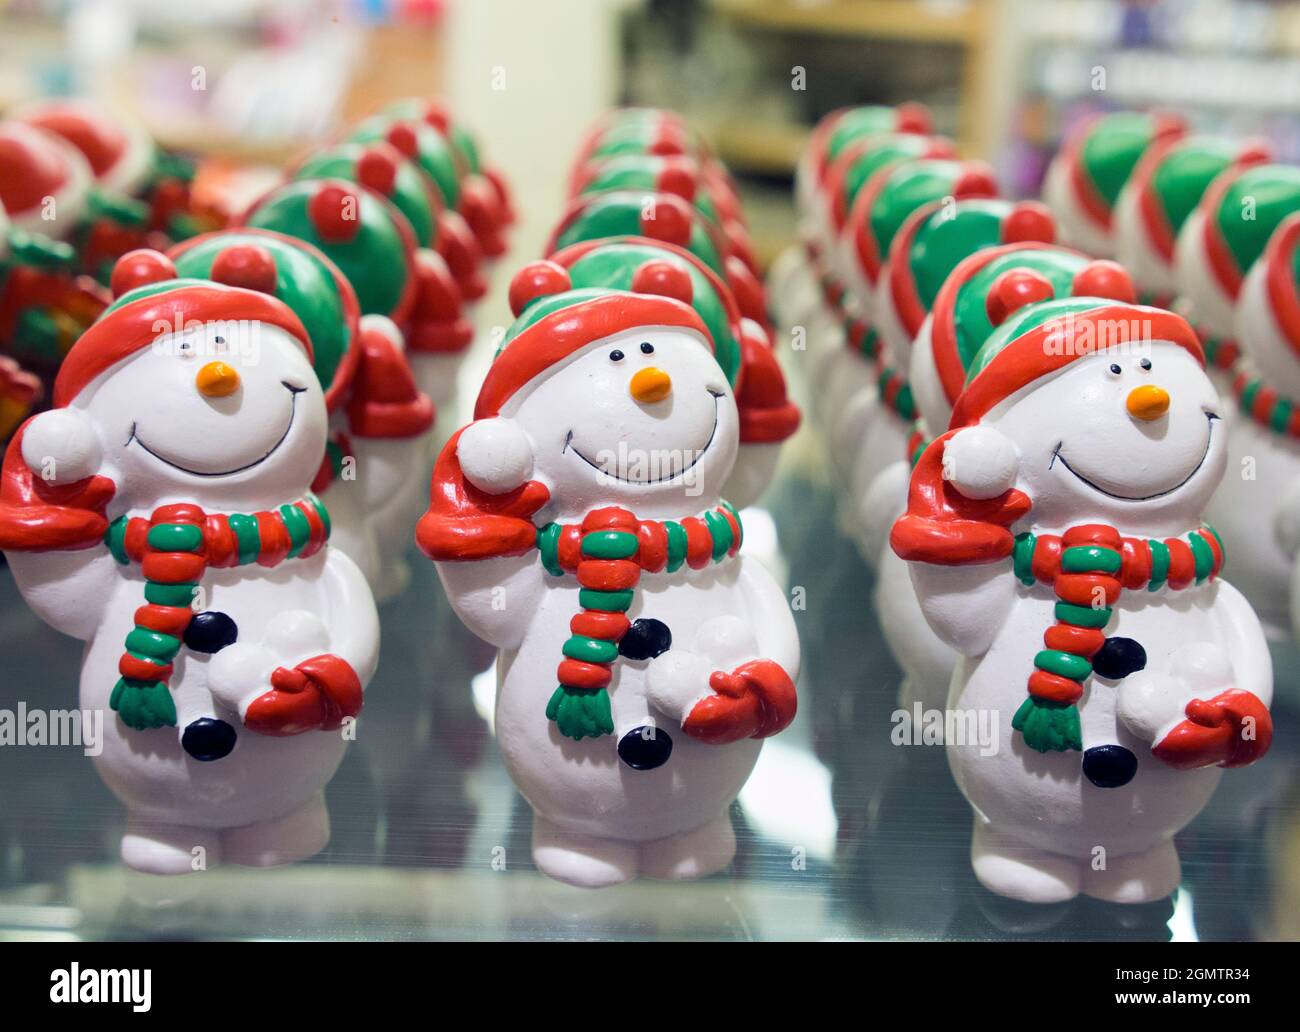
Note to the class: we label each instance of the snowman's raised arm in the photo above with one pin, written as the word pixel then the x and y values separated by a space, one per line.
pixel 479 529
pixel 353 619
pixel 52 520
pixel 955 535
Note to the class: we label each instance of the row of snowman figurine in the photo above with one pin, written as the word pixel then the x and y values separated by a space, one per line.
pixel 1039 462
pixel 184 507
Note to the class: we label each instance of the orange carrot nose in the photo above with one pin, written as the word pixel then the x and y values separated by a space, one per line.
pixel 1147 402
pixel 650 384
pixel 217 380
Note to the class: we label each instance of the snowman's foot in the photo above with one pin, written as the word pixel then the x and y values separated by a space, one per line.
pixel 587 861
pixel 1018 871
pixel 1136 878
pixel 285 840
pixel 156 847
pixel 692 854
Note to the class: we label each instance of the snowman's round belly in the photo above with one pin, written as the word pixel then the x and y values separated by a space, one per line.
pixel 1045 799
pixel 586 786
pixel 1261 465
pixel 262 777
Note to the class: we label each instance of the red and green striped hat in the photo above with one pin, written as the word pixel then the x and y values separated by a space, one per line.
pixel 895 191
pixel 974 298
pixel 939 235
pixel 556 320
pixel 423 144
pixel 1242 207
pixel 857 163
pixel 668 218
pixel 1044 335
pixel 358 230
pixel 1101 153
pixel 150 294
pixel 842 128
pixel 296 273
pixel 1172 177
pixel 382 168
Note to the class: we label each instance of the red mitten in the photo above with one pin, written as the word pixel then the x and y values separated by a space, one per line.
pixel 1214 733
pixel 316 695
pixel 755 700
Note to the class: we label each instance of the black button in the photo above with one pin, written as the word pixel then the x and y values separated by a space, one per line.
pixel 645 747
pixel 208 739
pixel 1118 658
pixel 210 632
pixel 1109 766
pixel 646 639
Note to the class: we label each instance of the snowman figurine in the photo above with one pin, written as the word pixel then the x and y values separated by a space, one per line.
pixel 1055 541
pixel 1084 180
pixel 161 512
pixel 961 320
pixel 1257 508
pixel 578 521
pixel 1217 246
pixel 1166 186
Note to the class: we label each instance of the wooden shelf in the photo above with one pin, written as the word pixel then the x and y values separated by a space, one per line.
pixel 906 20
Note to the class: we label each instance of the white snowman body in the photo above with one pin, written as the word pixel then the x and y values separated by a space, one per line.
pixel 579 432
pixel 261 803
pixel 1257 507
pixel 1043 831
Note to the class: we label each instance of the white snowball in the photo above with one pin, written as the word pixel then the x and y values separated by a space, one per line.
pixel 61 446
pixel 495 455
pixel 981 462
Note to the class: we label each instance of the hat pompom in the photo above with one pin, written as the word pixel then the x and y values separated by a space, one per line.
pixel 335 213
pixel 767 415
pixel 665 279
pixel 1029 221
pixel 913 118
pixel 436 115
pixel 975 180
pixel 1104 278
pixel 139 268
pixel 537 279
pixel 668 219
pixel 1014 289
pixel 679 178
pixel 377 170
pixel 247 266
pixel 403 137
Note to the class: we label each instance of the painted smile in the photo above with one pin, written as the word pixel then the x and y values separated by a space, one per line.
pixel 1209 438
pixel 699 453
pixel 293 408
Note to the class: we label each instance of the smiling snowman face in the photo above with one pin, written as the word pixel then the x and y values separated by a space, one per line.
pixel 1129 435
pixel 222 412
pixel 644 419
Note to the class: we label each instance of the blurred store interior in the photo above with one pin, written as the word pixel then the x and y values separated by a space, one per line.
pixel 246 85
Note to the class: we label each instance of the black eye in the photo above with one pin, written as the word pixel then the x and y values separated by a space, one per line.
pixel 185 345
pixel 1115 368
pixel 218 340
pixel 616 355
pixel 1145 363
pixel 647 347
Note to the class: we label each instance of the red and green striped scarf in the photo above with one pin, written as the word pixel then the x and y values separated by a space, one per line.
pixel 1266 406
pixel 1088 567
pixel 175 547
pixel 609 550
